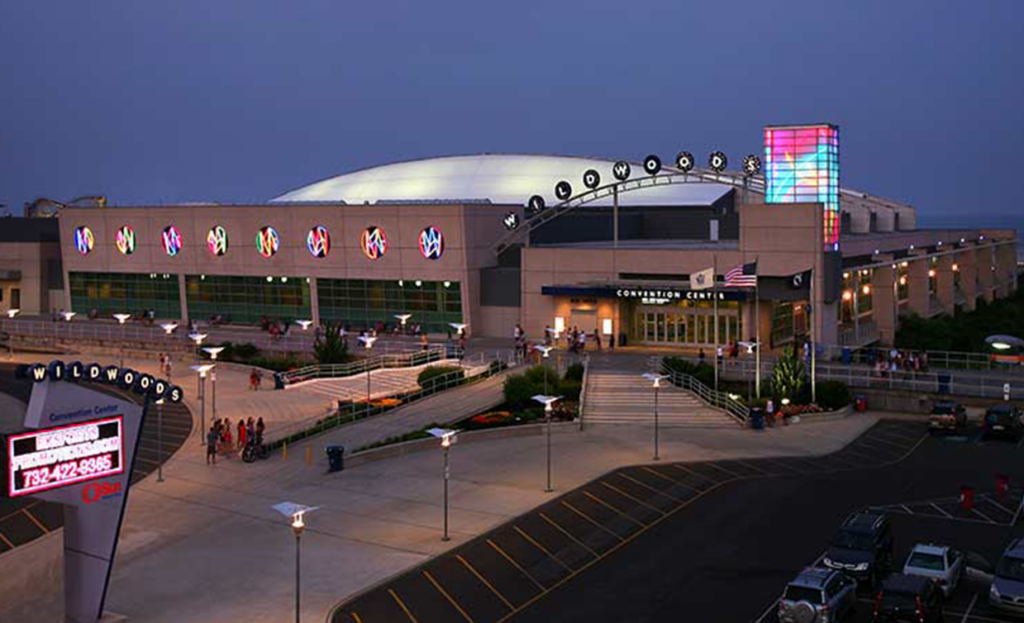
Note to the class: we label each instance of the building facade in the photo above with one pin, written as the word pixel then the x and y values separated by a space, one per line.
pixel 492 241
pixel 30 271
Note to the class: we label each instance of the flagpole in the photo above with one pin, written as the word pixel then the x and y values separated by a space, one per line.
pixel 714 295
pixel 812 317
pixel 757 324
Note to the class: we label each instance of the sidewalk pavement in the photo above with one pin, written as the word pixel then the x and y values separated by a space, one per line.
pixel 206 546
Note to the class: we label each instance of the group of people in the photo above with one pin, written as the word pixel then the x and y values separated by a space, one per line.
pixel 885 363
pixel 255 379
pixel 220 440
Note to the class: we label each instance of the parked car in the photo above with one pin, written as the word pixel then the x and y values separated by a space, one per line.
pixel 910 598
pixel 1007 590
pixel 1003 420
pixel 862 548
pixel 947 416
pixel 818 596
pixel 944 565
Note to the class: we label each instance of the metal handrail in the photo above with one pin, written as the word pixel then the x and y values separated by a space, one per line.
pixel 585 360
pixel 338 370
pixel 713 398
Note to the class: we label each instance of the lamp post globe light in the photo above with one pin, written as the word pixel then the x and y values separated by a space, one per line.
pixel 202 371
pixel 448 438
pixel 656 380
pixel 403 318
pixel 168 328
pixel 121 319
pixel 68 315
pixel 305 324
pixel 545 352
pixel 548 401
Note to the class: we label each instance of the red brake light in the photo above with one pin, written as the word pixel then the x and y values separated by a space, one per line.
pixel 878 602
pixel 920 609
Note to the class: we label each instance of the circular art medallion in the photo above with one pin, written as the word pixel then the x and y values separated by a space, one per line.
pixel 171 239
pixel 431 243
pixel 124 240
pixel 318 241
pixel 267 241
pixel 84 240
pixel 217 240
pixel 373 242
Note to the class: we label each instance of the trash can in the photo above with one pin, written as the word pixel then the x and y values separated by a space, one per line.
pixel 846 356
pixel 622 339
pixel 860 403
pixel 944 380
pixel 278 380
pixel 335 458
pixel 757 418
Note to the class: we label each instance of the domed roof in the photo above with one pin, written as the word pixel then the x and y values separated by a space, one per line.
pixel 498 178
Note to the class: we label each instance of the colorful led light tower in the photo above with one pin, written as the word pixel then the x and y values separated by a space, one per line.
pixel 802 166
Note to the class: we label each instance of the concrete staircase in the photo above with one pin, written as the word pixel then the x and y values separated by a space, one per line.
pixel 624 397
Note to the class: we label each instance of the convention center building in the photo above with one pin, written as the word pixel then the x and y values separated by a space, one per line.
pixel 644 252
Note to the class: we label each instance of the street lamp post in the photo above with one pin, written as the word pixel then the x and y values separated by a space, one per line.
pixel 656 380
pixel 297 514
pixel 68 315
pixel 121 319
pixel 213 351
pixel 545 351
pixel 367 341
pixel 547 401
pixel 11 313
pixel 403 318
pixel 448 438
pixel 202 370
pixel 198 339
pixel 160 440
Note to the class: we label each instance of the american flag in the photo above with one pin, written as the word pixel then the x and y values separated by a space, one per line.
pixel 743 276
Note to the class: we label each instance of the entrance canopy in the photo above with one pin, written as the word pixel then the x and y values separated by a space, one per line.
pixel 646 293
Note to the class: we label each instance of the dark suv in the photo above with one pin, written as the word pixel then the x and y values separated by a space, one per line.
pixel 1003 421
pixel 910 598
pixel 862 548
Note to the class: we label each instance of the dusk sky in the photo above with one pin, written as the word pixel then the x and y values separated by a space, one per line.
pixel 243 100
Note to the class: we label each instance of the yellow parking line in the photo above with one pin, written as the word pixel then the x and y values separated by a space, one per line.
pixel 648 487
pixel 515 564
pixel 497 593
pixel 566 533
pixel 635 499
pixel 401 604
pixel 693 473
pixel 356 617
pixel 541 548
pixel 672 480
pixel 464 614
pixel 612 508
pixel 754 467
pixel 723 470
pixel 588 518
pixel 891 443
pixel 4 539
pixel 35 521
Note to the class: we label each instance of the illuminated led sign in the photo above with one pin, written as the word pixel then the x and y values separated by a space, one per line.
pixel 84 240
pixel 217 240
pixel 431 243
pixel 171 239
pixel 124 240
pixel 373 242
pixel 57 457
pixel 318 241
pixel 267 241
pixel 802 165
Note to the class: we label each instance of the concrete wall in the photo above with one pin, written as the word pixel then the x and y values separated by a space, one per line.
pixel 32 581
pixel 30 258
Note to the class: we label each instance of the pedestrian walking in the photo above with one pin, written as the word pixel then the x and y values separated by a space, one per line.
pixel 163 364
pixel 167 366
pixel 260 429
pixel 597 339
pixel 242 437
pixel 424 344
pixel 226 436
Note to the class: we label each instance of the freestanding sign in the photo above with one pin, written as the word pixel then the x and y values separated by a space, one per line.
pixel 79 452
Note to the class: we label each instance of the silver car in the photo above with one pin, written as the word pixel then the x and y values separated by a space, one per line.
pixel 1007 590
pixel 940 563
pixel 818 596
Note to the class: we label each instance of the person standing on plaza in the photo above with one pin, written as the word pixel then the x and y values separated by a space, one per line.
pixel 597 339
pixel 163 364
pixel 242 437
pixel 424 344
pixel 226 437
pixel 547 335
pixel 260 429
pixel 211 445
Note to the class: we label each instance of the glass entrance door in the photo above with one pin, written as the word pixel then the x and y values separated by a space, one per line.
pixel 687 326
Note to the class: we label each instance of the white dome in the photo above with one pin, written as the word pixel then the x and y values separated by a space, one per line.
pixel 498 178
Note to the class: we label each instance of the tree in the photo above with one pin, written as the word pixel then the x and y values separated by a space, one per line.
pixel 788 376
pixel 329 347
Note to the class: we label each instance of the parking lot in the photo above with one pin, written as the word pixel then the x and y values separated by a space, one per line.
pixel 533 564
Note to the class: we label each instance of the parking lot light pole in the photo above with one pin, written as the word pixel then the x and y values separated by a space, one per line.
pixel 121 319
pixel 448 438
pixel 297 527
pixel 160 440
pixel 68 315
pixel 547 401
pixel 11 313
pixel 198 339
pixel 656 383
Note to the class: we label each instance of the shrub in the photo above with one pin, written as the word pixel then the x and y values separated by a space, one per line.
pixel 536 375
pixel 574 372
pixel 833 395
pixel 432 376
pixel 703 372
pixel 245 351
pixel 518 391
pixel 330 347
pixel 570 390
pixel 788 377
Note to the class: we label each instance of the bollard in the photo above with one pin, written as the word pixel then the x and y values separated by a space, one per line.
pixel 967 497
pixel 1002 486
pixel 309 455
pixel 284 451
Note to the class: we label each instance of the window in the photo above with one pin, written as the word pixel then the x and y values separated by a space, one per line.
pixel 803 593
pixel 247 300
pixel 922 560
pixel 782 323
pixel 364 302
pixel 111 293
